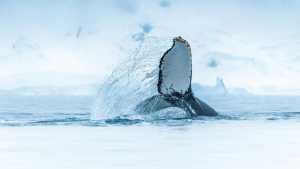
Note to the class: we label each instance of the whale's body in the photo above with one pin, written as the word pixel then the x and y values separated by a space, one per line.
pixel 174 84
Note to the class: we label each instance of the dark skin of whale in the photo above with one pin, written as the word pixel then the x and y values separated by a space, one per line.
pixel 190 104
pixel 185 101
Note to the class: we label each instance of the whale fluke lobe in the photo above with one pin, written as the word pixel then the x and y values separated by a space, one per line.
pixel 174 83
pixel 175 69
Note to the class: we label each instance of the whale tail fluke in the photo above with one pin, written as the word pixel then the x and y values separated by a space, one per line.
pixel 199 107
pixel 174 83
pixel 190 104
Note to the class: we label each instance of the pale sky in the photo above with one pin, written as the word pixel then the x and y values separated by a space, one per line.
pixel 252 44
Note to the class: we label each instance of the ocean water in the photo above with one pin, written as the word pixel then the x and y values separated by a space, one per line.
pixel 260 132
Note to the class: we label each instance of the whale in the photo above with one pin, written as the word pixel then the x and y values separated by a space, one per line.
pixel 174 84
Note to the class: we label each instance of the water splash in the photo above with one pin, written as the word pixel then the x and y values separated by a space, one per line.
pixel 132 81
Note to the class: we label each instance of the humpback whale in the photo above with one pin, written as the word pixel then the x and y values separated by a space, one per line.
pixel 174 84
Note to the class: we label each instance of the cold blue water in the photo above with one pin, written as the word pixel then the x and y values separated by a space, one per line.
pixel 16 110
pixel 57 132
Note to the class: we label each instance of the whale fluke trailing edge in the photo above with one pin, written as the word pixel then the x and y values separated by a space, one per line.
pixel 174 84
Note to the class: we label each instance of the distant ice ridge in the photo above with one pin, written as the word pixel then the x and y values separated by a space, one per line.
pixel 218 90
pixel 133 80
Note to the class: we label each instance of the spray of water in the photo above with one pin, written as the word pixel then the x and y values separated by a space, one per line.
pixel 133 81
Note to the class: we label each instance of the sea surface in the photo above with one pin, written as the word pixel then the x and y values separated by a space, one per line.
pixel 251 132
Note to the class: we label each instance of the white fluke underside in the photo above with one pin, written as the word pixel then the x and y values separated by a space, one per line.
pixel 176 69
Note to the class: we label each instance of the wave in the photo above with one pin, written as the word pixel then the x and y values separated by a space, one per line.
pixel 62 119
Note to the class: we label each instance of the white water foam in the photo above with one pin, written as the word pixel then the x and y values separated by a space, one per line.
pixel 133 81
